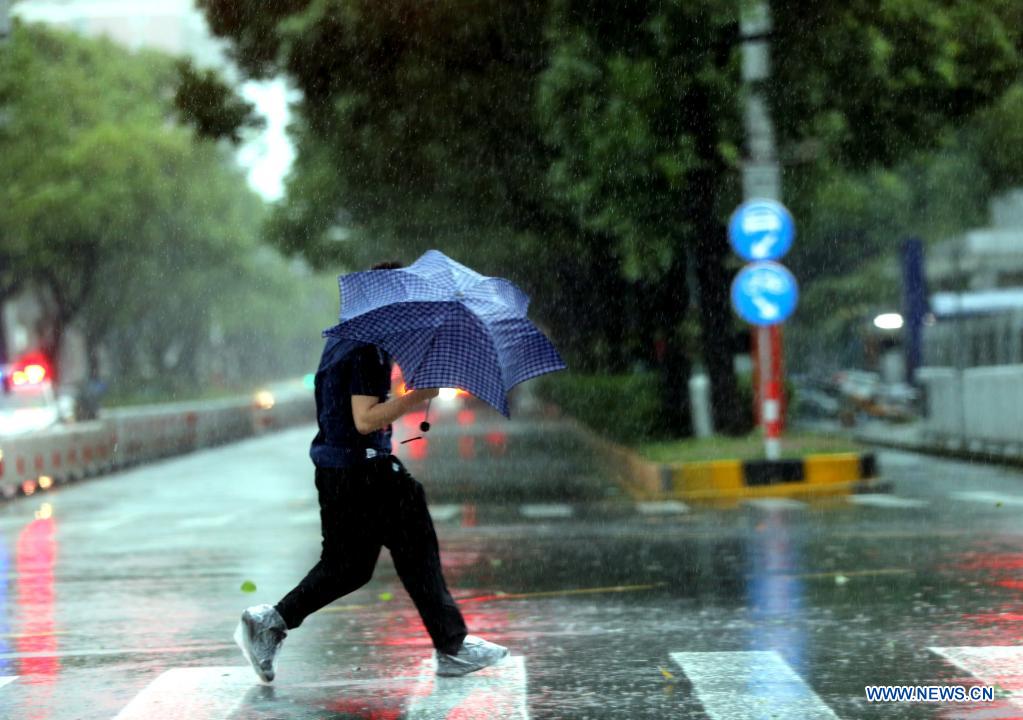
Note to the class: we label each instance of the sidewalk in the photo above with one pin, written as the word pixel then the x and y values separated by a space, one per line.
pixel 916 438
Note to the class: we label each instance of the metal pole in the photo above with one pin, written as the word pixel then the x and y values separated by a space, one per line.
pixel 761 178
pixel 961 341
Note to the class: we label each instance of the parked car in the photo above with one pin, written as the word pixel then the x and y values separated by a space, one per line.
pixel 27 399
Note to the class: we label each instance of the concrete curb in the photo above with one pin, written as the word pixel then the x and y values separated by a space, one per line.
pixel 1006 455
pixel 728 481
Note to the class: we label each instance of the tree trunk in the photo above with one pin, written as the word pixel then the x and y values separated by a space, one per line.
pixel 662 315
pixel 716 324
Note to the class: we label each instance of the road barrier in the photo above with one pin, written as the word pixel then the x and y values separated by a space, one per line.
pixel 130 436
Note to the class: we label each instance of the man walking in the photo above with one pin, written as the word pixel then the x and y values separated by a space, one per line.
pixel 367 500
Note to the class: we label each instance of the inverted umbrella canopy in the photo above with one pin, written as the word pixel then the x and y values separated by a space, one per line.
pixel 447 325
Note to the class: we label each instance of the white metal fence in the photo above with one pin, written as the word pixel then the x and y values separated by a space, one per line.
pixel 129 436
pixel 979 406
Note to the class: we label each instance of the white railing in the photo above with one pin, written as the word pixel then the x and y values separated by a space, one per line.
pixel 129 436
pixel 975 406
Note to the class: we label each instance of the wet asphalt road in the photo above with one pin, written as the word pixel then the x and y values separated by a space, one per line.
pixel 120 595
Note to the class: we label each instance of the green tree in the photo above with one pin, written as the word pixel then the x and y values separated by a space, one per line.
pixel 604 137
pixel 137 229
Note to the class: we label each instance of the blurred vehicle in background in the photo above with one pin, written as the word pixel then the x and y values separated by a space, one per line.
pixel 28 401
pixel 852 395
pixel 447 403
pixel 864 394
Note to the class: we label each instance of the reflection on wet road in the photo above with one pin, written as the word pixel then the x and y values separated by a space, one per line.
pixel 119 596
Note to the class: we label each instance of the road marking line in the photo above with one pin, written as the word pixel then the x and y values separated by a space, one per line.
pixel 853 573
pixel 111 523
pixel 443 513
pixel 886 501
pixel 558 593
pixel 987 498
pixel 306 518
pixel 208 522
pixel 772 503
pixel 662 507
pixel 8 679
pixel 115 651
pixel 750 686
pixel 193 693
pixel 994 665
pixel 498 691
pixel 546 510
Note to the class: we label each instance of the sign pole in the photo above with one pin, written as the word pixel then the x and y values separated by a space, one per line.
pixel 769 405
pixel 761 178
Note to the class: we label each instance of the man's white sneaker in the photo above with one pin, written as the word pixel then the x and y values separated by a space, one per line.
pixel 475 654
pixel 259 635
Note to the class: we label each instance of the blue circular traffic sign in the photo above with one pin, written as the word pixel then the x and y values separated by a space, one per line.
pixel 761 230
pixel 764 293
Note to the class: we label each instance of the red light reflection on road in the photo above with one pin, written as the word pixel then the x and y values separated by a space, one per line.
pixel 418 449
pixel 410 421
pixel 369 707
pixel 35 557
pixel 467 447
pixel 466 417
pixel 498 441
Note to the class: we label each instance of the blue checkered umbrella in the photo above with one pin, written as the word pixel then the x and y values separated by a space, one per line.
pixel 447 326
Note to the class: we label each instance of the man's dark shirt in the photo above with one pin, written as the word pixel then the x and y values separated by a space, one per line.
pixel 348 367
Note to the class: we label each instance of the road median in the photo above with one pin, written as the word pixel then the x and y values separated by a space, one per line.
pixel 727 480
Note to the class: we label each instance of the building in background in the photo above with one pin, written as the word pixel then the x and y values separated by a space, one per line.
pixel 977 303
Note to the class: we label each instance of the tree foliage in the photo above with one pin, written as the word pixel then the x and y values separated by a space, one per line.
pixel 131 227
pixel 603 143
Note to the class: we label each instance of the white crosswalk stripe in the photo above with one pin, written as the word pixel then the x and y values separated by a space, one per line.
pixel 546 510
pixel 203 693
pixel 662 507
pixel 994 665
pixel 771 504
pixel 988 498
pixel 750 686
pixel 105 525
pixel 496 692
pixel 217 693
pixel 444 513
pixel 306 518
pixel 886 501
pixel 4 680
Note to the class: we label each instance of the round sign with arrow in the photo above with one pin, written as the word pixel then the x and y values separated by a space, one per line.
pixel 764 293
pixel 761 230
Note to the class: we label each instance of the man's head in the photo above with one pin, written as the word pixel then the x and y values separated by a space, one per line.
pixel 387 265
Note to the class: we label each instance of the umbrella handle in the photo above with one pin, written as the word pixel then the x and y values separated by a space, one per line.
pixel 425 425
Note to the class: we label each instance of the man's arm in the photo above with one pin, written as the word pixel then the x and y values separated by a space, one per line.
pixel 371 415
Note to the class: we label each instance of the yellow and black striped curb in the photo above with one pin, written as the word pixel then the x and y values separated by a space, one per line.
pixel 819 475
pixel 730 480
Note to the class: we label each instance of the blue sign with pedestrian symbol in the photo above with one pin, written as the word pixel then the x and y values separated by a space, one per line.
pixel 764 293
pixel 761 230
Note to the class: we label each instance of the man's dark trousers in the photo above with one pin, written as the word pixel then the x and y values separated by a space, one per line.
pixel 362 508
